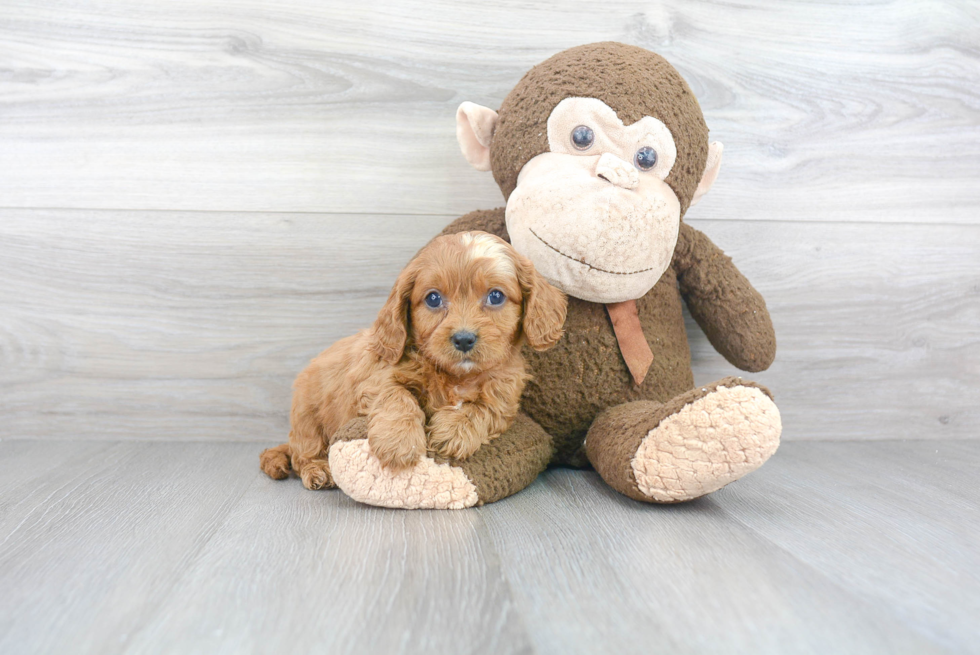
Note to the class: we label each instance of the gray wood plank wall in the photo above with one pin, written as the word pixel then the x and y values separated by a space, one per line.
pixel 197 197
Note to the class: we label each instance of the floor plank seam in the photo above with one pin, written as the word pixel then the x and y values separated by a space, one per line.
pixel 856 596
pixel 74 484
pixel 188 565
pixel 504 574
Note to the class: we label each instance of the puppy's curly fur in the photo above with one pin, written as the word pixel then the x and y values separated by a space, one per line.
pixel 420 390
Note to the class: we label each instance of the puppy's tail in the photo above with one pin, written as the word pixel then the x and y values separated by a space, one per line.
pixel 275 461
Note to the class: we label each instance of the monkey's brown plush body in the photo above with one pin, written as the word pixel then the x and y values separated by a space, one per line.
pixel 617 392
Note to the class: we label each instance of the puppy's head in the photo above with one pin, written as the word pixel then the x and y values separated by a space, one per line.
pixel 466 302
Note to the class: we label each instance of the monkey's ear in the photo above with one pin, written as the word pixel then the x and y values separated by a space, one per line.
pixel 710 171
pixel 391 326
pixel 474 130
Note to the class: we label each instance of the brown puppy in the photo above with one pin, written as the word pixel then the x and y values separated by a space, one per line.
pixel 440 370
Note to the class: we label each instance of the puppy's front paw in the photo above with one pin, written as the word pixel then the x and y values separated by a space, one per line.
pixel 453 435
pixel 397 443
pixel 315 474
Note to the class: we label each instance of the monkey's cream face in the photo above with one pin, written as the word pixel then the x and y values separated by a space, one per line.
pixel 594 215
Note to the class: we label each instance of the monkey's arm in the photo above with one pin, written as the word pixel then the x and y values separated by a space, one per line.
pixel 485 220
pixel 731 312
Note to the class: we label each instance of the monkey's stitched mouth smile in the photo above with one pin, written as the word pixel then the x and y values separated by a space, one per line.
pixel 584 263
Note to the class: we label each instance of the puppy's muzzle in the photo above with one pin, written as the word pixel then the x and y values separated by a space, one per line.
pixel 463 341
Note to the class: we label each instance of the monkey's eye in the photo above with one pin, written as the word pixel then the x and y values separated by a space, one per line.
pixel 496 298
pixel 646 158
pixel 433 300
pixel 583 137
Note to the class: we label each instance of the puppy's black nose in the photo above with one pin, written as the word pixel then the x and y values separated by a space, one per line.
pixel 463 341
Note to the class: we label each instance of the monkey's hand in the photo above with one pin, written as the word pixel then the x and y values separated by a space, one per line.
pixel 731 312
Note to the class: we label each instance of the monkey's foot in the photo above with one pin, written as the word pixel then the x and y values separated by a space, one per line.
pixel 427 485
pixel 688 447
pixel 498 469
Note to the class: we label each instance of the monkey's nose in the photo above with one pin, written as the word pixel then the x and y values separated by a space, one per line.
pixel 463 341
pixel 616 171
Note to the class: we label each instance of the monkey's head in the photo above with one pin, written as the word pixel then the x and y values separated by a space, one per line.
pixel 599 151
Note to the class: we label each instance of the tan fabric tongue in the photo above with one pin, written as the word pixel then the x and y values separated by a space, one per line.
pixel 636 351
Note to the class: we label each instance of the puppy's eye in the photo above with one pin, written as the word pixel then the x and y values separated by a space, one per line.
pixel 646 158
pixel 583 137
pixel 433 300
pixel 496 298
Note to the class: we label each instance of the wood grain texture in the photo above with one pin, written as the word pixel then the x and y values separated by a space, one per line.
pixel 823 550
pixel 180 326
pixel 171 325
pixel 865 111
pixel 92 533
pixel 876 326
pixel 321 573
pixel 167 547
pixel 897 525
pixel 163 547
pixel 198 196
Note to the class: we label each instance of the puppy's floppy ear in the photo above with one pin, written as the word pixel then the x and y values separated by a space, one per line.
pixel 391 326
pixel 544 306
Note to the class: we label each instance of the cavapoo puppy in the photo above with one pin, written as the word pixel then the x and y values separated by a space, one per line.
pixel 441 368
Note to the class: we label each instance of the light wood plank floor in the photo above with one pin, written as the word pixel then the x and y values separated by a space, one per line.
pixel 833 547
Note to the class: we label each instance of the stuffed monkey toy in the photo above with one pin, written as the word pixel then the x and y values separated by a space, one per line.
pixel 599 152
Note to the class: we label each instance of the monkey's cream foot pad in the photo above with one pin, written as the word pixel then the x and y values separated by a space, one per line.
pixel 426 486
pixel 710 442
